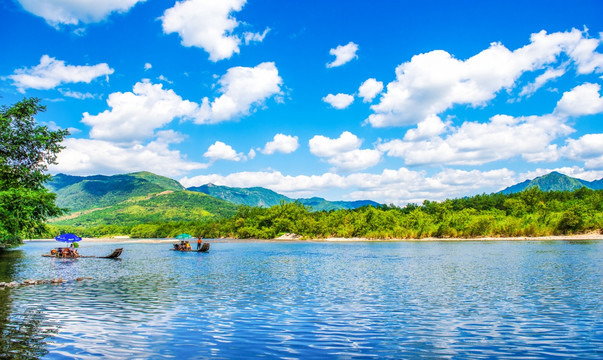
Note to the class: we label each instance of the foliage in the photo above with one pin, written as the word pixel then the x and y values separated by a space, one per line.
pixel 82 193
pixel 258 196
pixel 528 213
pixel 161 207
pixel 26 150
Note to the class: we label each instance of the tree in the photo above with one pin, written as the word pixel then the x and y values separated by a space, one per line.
pixel 26 150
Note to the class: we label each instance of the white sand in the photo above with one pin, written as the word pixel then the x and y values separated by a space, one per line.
pixel 589 236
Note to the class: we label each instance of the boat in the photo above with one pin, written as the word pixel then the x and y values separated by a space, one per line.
pixel 56 254
pixel 204 248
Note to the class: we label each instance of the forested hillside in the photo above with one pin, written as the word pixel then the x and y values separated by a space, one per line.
pixel 528 213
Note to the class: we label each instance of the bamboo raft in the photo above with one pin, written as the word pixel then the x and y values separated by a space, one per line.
pixel 114 255
pixel 204 248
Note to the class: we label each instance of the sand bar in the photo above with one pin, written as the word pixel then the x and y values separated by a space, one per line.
pixel 589 236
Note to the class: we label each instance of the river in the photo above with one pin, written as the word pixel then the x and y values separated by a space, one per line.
pixel 301 300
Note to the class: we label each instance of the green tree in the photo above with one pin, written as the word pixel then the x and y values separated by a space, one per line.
pixel 26 150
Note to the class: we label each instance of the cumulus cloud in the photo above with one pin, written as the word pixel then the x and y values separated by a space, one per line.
pixel 91 156
pixel 370 89
pixel 135 115
pixel 339 101
pixel 242 88
pixel 428 128
pixel 573 171
pixel 209 25
pixel 588 148
pixel 148 66
pixel 282 143
pixel 397 186
pixel 581 100
pixel 51 73
pixel 68 12
pixel 343 54
pixel 433 82
pixel 222 151
pixel 473 143
pixel 344 152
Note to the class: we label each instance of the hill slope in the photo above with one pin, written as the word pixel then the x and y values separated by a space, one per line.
pixel 554 181
pixel 162 207
pixel 262 197
pixel 255 196
pixel 78 193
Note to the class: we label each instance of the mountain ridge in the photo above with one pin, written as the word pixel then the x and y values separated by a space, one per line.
pixel 554 181
pixel 262 197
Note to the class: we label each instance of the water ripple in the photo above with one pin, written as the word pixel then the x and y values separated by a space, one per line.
pixel 526 300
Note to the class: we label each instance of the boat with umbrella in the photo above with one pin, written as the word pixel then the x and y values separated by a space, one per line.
pixel 185 246
pixel 71 251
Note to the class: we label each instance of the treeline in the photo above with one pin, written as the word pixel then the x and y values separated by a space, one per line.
pixel 527 213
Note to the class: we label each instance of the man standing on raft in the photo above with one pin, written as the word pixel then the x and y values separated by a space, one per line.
pixel 199 241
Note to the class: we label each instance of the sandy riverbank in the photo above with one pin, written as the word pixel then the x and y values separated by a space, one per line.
pixel 590 236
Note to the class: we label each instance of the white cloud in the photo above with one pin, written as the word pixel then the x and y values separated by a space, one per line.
pixel 135 115
pixel 209 25
pixel 344 152
pixel 90 157
pixel 581 100
pixel 548 75
pixel 355 160
pixel 163 78
pixel 397 186
pixel 242 88
pixel 343 54
pixel 70 12
pixel 326 147
pixel 433 82
pixel 428 128
pixel 255 37
pixel 574 171
pixel 473 143
pixel 285 144
pixel 77 94
pixel 370 89
pixel 588 148
pixel 148 66
pixel 221 151
pixel 251 154
pixel 51 73
pixel 339 101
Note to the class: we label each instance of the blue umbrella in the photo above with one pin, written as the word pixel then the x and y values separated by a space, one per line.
pixel 68 238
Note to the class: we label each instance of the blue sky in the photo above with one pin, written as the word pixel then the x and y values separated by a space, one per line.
pixel 393 101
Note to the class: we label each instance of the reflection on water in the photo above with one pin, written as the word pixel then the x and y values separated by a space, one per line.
pixel 22 335
pixel 310 300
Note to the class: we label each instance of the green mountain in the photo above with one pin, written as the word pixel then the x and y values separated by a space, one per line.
pixel 320 204
pixel 554 181
pixel 167 206
pixel 78 193
pixel 131 199
pixel 143 197
pixel 255 196
pixel 262 197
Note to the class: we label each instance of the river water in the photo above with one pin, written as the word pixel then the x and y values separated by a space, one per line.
pixel 304 300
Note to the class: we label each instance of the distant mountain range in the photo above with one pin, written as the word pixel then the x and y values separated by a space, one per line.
pixel 142 197
pixel 258 196
pixel 554 181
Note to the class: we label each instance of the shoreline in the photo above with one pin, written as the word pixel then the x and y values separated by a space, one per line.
pixel 577 237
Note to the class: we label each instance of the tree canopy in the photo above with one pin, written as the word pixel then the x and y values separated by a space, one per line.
pixel 26 150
